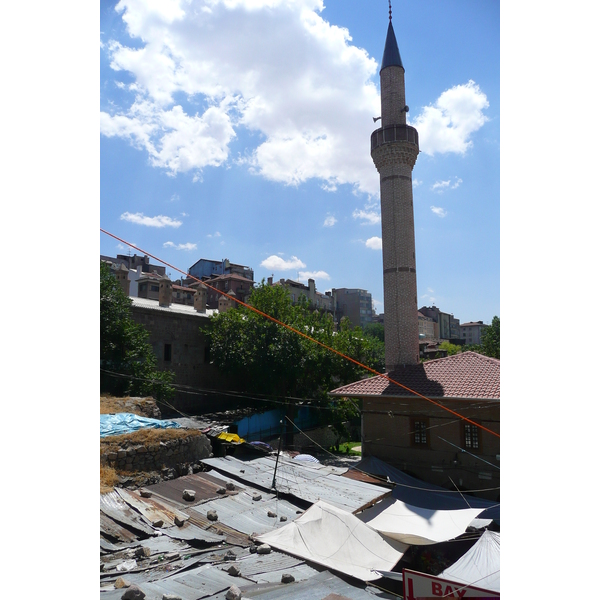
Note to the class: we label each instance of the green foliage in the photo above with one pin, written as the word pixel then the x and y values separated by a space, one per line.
pixel 490 340
pixel 124 346
pixel 450 348
pixel 267 358
pixel 375 330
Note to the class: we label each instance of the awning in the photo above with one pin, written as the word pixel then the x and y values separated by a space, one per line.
pixel 336 539
pixel 480 566
pixel 415 525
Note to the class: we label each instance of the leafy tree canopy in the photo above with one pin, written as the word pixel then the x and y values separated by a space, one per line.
pixel 267 358
pixel 490 340
pixel 124 346
pixel 450 348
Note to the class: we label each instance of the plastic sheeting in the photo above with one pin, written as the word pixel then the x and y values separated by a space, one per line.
pixel 480 566
pixel 306 458
pixel 336 539
pixel 415 525
pixel 120 423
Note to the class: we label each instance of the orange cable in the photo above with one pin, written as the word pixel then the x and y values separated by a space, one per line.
pixel 260 312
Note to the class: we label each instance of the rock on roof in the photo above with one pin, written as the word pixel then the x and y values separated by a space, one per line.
pixel 464 375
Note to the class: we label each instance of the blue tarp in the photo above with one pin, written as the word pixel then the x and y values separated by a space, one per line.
pixel 121 423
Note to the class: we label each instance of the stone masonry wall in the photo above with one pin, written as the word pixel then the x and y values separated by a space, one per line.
pixel 158 455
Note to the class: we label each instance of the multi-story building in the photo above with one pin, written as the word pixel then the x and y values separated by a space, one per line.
pixel 232 282
pixel 317 300
pixel 426 327
pixel 472 332
pixel 135 261
pixel 446 326
pixel 355 304
pixel 206 268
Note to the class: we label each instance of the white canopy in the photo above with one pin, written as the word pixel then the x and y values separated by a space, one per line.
pixel 415 525
pixel 480 566
pixel 336 539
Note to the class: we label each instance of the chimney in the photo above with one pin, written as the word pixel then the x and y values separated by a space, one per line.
pixel 270 280
pixel 226 302
pixel 122 275
pixel 311 289
pixel 200 298
pixel 165 292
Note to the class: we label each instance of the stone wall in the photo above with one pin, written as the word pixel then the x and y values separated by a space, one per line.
pixel 156 455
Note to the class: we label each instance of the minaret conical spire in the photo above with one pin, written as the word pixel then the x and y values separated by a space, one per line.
pixel 391 54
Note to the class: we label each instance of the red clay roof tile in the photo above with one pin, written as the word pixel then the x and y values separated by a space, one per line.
pixel 464 375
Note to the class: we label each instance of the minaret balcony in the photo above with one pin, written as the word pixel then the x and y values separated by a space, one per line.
pixel 394 133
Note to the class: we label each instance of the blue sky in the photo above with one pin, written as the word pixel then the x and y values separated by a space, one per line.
pixel 240 129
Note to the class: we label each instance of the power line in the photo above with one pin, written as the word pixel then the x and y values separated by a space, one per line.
pixel 304 335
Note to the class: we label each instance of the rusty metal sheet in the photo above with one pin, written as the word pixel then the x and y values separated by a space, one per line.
pixel 151 509
pixel 118 510
pixel 204 484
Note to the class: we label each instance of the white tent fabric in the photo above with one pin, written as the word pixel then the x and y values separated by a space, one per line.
pixel 415 525
pixel 480 566
pixel 336 539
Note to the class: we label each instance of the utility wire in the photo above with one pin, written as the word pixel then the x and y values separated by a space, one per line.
pixel 304 335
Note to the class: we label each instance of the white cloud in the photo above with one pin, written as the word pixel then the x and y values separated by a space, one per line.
pixel 188 246
pixel 369 217
pixel 158 221
pixel 440 212
pixel 440 186
pixel 330 221
pixel 276 263
pixel 225 56
pixel 313 275
pixel 175 198
pixel 374 243
pixel 216 234
pixel 447 125
pixel 416 182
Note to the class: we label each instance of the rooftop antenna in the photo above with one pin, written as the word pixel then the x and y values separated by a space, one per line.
pixel 390 5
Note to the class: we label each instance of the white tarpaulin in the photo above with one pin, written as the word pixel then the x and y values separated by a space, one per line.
pixel 480 566
pixel 414 525
pixel 336 539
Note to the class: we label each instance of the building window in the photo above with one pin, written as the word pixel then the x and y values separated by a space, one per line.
pixel 154 288
pixel 420 427
pixel 167 353
pixel 470 437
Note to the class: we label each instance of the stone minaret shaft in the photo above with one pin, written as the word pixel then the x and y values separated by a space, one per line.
pixel 394 149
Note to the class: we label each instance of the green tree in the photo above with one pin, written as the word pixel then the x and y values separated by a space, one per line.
pixel 450 348
pixel 490 340
pixel 267 358
pixel 124 347
pixel 375 330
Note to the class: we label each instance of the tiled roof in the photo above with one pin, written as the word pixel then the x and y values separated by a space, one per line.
pixel 464 375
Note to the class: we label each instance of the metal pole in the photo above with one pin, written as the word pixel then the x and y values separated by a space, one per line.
pixel 278 451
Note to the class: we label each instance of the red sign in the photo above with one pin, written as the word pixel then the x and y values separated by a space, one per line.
pixel 418 586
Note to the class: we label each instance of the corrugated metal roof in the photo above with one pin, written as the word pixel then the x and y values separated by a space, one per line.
pixel 204 484
pixel 323 586
pixel 197 583
pixel 307 481
pixel 112 505
pixel 151 509
pixel 268 568
pixel 248 516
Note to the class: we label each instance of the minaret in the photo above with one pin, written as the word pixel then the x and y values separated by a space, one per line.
pixel 394 149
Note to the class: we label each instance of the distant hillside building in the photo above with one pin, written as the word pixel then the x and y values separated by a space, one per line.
pixel 317 300
pixel 426 327
pixel 206 268
pixel 472 332
pixel 135 261
pixel 355 304
pixel 446 326
pixel 232 282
